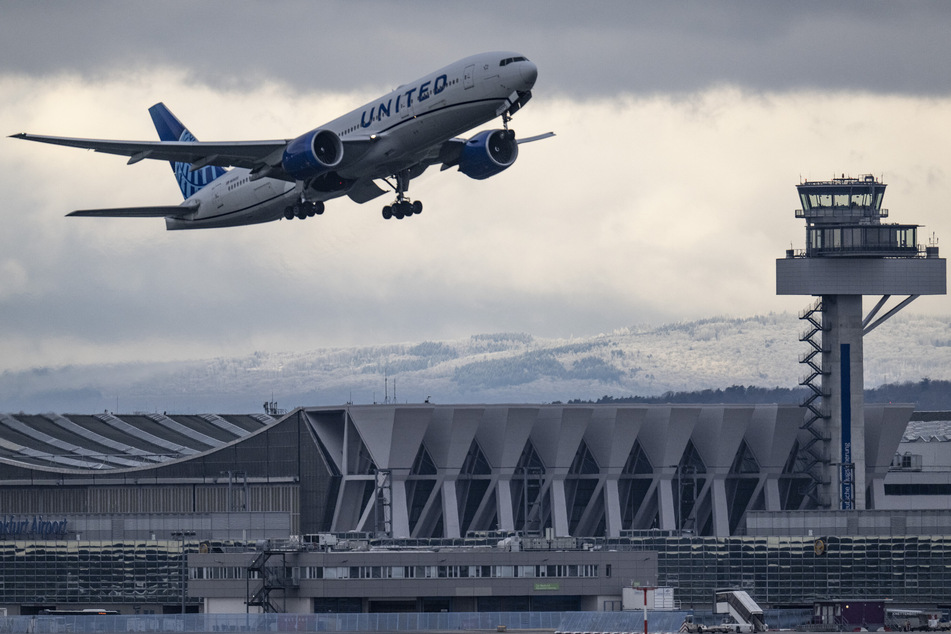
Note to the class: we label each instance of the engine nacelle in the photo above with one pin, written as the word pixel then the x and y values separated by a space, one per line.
pixel 488 153
pixel 312 154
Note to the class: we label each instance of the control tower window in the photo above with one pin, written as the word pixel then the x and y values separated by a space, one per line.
pixel 908 237
pixel 852 200
pixel 851 237
pixel 819 200
pixel 848 199
pixel 859 240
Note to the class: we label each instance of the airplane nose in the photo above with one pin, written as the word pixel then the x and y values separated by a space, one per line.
pixel 529 73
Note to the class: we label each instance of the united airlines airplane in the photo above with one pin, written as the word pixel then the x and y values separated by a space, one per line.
pixel 392 139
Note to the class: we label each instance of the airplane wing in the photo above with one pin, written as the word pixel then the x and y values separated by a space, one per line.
pixel 137 212
pixel 537 137
pixel 262 157
pixel 249 154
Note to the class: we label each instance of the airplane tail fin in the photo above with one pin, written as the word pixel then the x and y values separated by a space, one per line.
pixel 169 128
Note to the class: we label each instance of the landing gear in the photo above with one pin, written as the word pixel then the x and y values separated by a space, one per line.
pixel 403 207
pixel 304 209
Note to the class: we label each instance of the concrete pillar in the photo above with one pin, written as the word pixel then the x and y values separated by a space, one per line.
pixel 842 339
pixel 503 496
pixel 612 509
pixel 559 509
pixel 450 509
pixel 721 510
pixel 399 509
pixel 773 499
pixel 665 504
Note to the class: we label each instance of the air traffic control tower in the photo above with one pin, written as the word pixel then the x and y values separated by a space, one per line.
pixel 849 253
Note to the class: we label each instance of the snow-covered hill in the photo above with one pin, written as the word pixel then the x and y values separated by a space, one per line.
pixel 502 367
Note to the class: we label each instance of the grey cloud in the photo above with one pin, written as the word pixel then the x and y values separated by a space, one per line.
pixel 626 216
pixel 605 48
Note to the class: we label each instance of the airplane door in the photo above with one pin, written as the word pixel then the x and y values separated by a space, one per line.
pixel 467 80
pixel 407 112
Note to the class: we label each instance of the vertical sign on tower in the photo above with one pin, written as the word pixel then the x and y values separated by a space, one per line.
pixel 848 469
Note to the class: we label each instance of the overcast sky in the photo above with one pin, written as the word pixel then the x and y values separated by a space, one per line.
pixel 667 195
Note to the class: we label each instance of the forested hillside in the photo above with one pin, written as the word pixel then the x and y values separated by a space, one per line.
pixel 721 359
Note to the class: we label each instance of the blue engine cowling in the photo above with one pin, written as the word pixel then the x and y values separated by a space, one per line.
pixel 488 153
pixel 312 154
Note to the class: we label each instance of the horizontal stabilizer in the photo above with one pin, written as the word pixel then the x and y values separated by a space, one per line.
pixel 137 212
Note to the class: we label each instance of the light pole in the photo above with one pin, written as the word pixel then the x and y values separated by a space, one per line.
pixel 182 535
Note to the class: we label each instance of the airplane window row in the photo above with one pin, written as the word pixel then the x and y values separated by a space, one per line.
pixel 511 60
pixel 235 184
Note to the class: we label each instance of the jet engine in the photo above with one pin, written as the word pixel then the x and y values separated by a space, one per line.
pixel 312 154
pixel 488 153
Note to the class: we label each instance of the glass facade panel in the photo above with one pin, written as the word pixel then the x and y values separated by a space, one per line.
pixel 774 570
pixel 90 572
pixel 899 240
pixel 788 570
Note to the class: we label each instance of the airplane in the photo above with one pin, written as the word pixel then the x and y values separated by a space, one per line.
pixel 392 139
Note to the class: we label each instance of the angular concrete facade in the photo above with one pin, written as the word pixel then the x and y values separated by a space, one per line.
pixel 419 471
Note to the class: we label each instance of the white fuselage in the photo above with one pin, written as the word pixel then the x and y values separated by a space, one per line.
pixel 407 126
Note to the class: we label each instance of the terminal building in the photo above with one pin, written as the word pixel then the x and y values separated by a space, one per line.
pixel 518 507
pixel 456 508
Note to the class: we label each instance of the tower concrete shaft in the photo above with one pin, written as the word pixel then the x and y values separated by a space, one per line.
pixel 843 382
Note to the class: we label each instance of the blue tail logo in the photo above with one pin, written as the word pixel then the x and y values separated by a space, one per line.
pixel 169 128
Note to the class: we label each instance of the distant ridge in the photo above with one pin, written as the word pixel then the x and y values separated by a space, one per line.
pixel 930 397
pixel 718 353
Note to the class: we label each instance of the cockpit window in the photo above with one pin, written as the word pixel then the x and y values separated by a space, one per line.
pixel 509 60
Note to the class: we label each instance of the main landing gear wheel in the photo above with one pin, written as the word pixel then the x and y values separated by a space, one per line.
pixel 305 209
pixel 402 209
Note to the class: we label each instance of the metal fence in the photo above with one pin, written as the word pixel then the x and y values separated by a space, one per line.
pixel 657 621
